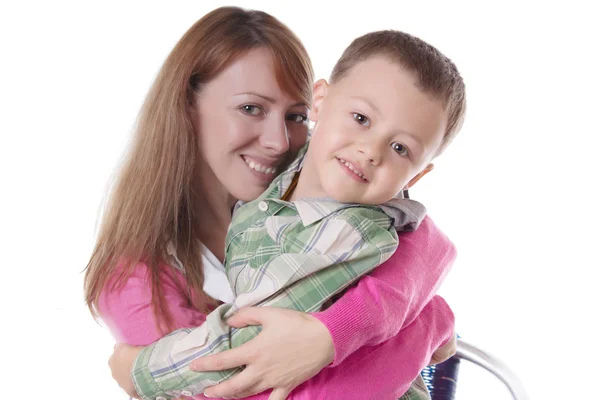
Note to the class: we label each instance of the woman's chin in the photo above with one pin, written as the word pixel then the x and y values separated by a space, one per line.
pixel 248 191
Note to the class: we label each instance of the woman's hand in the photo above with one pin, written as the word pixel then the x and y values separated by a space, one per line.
pixel 120 363
pixel 291 348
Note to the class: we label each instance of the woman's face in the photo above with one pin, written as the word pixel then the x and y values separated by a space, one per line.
pixel 248 127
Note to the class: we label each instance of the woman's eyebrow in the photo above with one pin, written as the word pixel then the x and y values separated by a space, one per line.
pixel 267 98
pixel 270 99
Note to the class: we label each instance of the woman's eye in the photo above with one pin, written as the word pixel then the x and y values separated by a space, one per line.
pixel 361 119
pixel 400 148
pixel 299 118
pixel 251 109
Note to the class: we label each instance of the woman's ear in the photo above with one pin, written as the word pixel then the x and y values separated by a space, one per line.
pixel 319 93
pixel 417 177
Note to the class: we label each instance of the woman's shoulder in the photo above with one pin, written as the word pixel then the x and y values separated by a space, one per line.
pixel 137 276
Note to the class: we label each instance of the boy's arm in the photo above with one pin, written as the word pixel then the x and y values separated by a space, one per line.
pixel 393 364
pixel 390 297
pixel 333 260
pixel 175 388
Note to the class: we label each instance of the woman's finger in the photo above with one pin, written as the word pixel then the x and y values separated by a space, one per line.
pixel 235 386
pixel 233 358
pixel 279 394
pixel 251 391
pixel 250 316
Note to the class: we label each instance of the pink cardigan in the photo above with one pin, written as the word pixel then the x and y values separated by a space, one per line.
pixel 384 329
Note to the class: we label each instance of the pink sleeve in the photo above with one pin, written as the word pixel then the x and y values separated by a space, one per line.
pixel 128 312
pixel 385 370
pixel 391 297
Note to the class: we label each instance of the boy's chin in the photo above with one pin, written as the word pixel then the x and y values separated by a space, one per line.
pixel 345 197
pixel 342 197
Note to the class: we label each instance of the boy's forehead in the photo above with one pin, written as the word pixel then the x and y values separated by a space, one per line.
pixel 374 66
pixel 378 79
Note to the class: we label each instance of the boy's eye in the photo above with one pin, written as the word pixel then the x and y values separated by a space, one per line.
pixel 299 118
pixel 400 148
pixel 361 119
pixel 251 109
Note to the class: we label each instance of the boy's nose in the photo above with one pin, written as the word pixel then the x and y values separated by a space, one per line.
pixel 370 154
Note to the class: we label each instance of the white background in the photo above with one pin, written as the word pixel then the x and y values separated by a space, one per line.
pixel 516 192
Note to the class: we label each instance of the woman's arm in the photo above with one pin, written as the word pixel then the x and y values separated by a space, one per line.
pixel 128 312
pixel 385 370
pixel 372 372
pixel 409 278
pixel 382 371
pixel 382 303
pixel 391 296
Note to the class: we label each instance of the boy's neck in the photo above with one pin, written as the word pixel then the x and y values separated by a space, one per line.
pixel 293 193
pixel 307 184
pixel 307 187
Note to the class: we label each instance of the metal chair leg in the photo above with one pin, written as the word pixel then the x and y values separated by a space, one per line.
pixel 479 357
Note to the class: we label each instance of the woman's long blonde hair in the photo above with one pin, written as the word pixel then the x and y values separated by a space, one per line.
pixel 152 202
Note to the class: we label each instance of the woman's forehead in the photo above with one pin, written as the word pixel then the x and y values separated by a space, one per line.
pixel 253 73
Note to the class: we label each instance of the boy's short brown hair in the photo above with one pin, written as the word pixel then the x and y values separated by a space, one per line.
pixel 436 74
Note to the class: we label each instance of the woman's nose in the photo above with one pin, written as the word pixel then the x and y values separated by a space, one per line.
pixel 275 136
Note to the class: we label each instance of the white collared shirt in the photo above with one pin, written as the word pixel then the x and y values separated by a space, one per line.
pixel 216 284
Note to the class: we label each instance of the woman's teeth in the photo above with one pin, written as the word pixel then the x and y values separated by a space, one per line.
pixel 351 168
pixel 260 168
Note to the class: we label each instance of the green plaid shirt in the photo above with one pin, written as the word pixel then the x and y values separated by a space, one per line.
pixel 295 255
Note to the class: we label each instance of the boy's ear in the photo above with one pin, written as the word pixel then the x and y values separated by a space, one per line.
pixel 421 174
pixel 320 89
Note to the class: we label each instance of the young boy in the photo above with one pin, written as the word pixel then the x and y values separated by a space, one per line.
pixel 393 104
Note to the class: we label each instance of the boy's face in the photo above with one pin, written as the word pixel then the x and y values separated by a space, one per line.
pixel 375 133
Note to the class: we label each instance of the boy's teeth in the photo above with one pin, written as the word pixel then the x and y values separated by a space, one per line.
pixel 351 168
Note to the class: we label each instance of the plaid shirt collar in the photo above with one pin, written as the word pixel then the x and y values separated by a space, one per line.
pixel 405 213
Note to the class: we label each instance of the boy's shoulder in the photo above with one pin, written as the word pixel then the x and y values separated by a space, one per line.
pixel 371 221
pixel 399 214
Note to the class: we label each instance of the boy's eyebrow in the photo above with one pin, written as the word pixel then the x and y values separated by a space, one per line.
pixel 415 137
pixel 269 99
pixel 367 102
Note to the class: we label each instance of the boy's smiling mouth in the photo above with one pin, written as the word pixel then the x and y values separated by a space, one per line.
pixel 351 167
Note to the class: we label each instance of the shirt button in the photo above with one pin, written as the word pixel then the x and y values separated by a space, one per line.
pixel 263 206
pixel 160 398
pixel 186 393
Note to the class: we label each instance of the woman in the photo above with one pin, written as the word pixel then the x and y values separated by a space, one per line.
pixel 226 113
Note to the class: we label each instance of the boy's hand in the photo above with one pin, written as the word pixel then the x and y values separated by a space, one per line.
pixel 120 363
pixel 444 352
